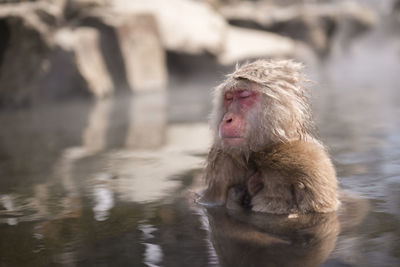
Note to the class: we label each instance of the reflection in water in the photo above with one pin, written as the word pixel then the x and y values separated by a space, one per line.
pixel 240 237
pixel 272 240
pixel 147 121
pixel 103 199
pixel 8 205
pixel 94 136
pixel 153 255
pixel 82 200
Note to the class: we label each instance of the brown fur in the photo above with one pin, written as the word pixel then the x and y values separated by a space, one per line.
pixel 298 177
pixel 296 173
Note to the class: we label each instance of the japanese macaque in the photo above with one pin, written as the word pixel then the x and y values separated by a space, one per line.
pixel 264 149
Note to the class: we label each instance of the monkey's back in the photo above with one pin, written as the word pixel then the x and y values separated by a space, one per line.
pixel 298 177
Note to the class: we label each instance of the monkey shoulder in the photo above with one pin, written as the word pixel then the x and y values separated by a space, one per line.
pixel 302 174
pixel 297 159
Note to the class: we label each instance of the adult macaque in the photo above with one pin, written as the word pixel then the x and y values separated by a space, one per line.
pixel 263 143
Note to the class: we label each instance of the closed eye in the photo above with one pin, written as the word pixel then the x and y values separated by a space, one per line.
pixel 228 96
pixel 244 94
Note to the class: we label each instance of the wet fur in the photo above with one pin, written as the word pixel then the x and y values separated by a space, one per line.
pixel 294 167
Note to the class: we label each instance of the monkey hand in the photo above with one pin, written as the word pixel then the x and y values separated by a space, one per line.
pixel 238 197
pixel 255 184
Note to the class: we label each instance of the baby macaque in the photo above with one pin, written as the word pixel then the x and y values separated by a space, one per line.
pixel 264 149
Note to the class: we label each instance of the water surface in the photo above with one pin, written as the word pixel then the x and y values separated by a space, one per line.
pixel 110 183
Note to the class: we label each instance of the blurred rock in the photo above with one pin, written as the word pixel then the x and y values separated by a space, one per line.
pixel 47 53
pixel 396 9
pixel 75 8
pixel 143 53
pixel 313 23
pixel 132 48
pixel 396 5
pixel 34 67
pixel 130 44
pixel 84 43
pixel 190 27
pixel 25 44
pixel 241 44
pixel 51 50
pixel 199 30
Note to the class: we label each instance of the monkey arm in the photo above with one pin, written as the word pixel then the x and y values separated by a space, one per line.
pixel 297 177
pixel 255 184
pixel 221 173
pixel 214 195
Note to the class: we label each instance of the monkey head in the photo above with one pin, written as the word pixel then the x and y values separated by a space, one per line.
pixel 260 104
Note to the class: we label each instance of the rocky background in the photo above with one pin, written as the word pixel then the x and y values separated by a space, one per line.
pixel 56 50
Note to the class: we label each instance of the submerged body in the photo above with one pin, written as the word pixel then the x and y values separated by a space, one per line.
pixel 263 143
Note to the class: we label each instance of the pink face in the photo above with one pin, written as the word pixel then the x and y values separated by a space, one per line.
pixel 237 104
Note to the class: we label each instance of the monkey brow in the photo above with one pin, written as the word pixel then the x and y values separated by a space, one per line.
pixel 242 80
pixel 241 83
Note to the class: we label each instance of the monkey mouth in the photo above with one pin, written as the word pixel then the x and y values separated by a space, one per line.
pixel 232 140
pixel 232 137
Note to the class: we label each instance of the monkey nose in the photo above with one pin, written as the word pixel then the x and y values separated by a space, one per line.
pixel 228 119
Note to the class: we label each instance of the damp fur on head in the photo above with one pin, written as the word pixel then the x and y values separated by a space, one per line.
pixel 282 84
